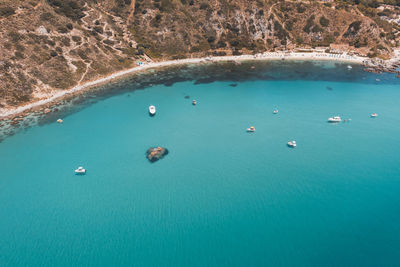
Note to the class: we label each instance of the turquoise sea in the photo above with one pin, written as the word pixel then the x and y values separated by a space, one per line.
pixel 222 197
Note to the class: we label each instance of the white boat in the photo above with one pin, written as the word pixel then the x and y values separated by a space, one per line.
pixel 80 170
pixel 276 111
pixel 292 143
pixel 251 129
pixel 60 121
pixel 335 119
pixel 349 67
pixel 152 110
pixel 374 115
pixel 194 102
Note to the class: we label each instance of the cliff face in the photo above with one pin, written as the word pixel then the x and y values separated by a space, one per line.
pixel 50 45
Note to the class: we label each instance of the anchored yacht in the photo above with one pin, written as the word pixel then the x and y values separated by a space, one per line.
pixel 80 170
pixel 292 144
pixel 251 129
pixel 152 110
pixel 335 119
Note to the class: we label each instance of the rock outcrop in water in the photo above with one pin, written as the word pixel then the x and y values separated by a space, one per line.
pixel 155 153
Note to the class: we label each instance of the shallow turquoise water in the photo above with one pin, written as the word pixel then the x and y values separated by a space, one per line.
pixel 222 197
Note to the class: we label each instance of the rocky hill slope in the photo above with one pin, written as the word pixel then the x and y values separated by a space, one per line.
pixel 51 45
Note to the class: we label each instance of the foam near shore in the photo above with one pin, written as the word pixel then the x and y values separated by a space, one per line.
pixel 7 112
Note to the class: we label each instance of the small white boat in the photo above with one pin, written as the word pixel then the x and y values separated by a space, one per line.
pixel 194 102
pixel 292 144
pixel 276 111
pixel 80 170
pixel 152 110
pixel 335 119
pixel 374 115
pixel 251 129
pixel 60 121
pixel 349 67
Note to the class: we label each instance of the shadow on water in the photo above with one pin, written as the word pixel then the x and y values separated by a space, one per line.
pixel 206 73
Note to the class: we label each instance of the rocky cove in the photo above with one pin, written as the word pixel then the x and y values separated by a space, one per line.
pixel 199 73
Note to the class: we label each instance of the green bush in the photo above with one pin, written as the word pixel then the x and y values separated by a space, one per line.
pixel 381 47
pixel 166 5
pixel 204 5
pixel 76 38
pixel 309 24
pixel 301 8
pixel 65 41
pixel 98 29
pixel 15 37
pixel 324 21
pixel 328 40
pixel 289 25
pixel 316 29
pixel 353 28
pixel 69 8
pixel 62 29
pixel 6 11
pixel 280 32
pixel 299 40
pixel 19 55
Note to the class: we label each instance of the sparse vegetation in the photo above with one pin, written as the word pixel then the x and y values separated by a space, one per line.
pixel 6 11
pixel 353 28
pixel 324 21
pixel 67 42
pixel 309 24
pixel 69 8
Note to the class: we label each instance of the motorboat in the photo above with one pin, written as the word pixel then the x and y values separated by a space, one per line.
pixel 292 144
pixel 276 111
pixel 152 110
pixel 194 102
pixel 349 67
pixel 335 119
pixel 251 129
pixel 80 170
pixel 60 121
pixel 374 115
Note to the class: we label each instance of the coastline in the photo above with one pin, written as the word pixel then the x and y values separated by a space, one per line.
pixel 314 56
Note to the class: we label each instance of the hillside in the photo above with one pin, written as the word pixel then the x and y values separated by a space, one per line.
pixel 51 45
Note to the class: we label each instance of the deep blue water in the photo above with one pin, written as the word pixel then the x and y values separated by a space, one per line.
pixel 222 197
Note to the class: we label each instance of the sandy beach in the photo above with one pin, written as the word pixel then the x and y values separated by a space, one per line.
pixel 9 112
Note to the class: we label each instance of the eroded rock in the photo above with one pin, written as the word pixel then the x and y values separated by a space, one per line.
pixel 155 153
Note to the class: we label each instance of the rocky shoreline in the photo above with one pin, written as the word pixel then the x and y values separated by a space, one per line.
pixel 379 66
pixel 9 112
pixel 200 71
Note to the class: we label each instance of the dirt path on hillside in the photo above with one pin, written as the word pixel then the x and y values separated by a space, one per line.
pixel 132 11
